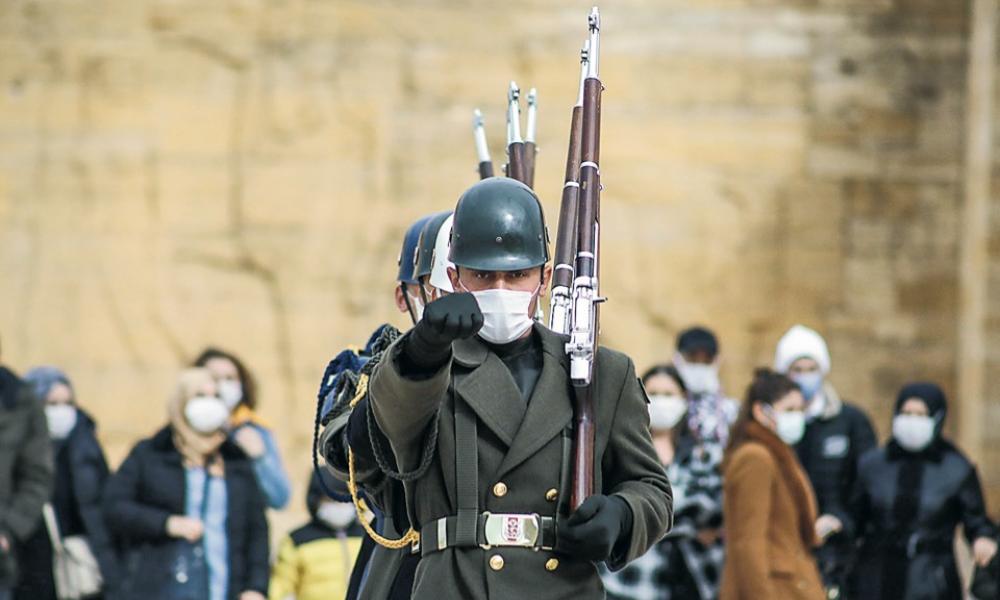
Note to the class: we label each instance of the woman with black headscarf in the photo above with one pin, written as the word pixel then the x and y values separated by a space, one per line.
pixel 81 471
pixel 911 495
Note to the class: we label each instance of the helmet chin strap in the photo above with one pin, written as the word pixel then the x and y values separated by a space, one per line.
pixel 406 299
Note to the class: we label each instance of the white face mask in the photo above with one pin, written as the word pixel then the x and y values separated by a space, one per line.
pixel 505 314
pixel 61 419
pixel 699 378
pixel 790 426
pixel 231 392
pixel 665 411
pixel 913 432
pixel 417 305
pixel 206 414
pixel 810 383
pixel 337 515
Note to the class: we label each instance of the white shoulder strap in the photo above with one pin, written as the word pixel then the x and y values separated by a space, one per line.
pixel 53 527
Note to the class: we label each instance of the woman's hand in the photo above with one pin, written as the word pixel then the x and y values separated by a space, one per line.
pixel 708 537
pixel 828 525
pixel 983 550
pixel 252 595
pixel 251 441
pixel 182 527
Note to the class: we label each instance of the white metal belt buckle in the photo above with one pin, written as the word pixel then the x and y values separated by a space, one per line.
pixel 511 530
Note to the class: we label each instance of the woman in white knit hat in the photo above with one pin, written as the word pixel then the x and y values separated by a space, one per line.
pixel 835 435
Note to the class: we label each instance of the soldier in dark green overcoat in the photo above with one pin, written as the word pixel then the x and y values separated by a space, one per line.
pixel 475 402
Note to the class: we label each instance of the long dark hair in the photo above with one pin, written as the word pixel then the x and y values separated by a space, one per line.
pixel 671 372
pixel 247 380
pixel 668 370
pixel 766 388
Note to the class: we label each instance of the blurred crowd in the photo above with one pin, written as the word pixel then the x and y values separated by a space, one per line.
pixel 784 493
pixel 788 494
pixel 185 515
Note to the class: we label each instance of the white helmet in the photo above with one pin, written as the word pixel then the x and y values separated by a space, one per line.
pixel 440 263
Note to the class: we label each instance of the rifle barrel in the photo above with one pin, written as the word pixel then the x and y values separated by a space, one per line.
pixel 560 312
pixel 582 347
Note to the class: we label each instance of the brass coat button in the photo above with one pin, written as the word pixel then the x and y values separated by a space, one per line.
pixel 552 564
pixel 552 494
pixel 496 562
pixel 500 490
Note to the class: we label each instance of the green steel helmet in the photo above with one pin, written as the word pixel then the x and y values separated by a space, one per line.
pixel 423 260
pixel 499 226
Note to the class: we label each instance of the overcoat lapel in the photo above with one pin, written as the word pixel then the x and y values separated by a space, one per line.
pixel 550 408
pixel 489 389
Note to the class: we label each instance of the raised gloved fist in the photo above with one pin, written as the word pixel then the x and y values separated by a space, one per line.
pixel 594 529
pixel 452 317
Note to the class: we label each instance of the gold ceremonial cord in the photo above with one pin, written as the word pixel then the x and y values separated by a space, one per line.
pixel 411 536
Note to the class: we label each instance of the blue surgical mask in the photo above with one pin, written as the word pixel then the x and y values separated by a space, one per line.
pixel 810 383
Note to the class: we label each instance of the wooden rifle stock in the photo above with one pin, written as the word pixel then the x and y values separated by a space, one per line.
pixel 515 161
pixel 567 230
pixel 515 144
pixel 530 149
pixel 560 308
pixel 583 445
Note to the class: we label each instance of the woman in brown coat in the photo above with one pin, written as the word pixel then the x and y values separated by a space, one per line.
pixel 768 504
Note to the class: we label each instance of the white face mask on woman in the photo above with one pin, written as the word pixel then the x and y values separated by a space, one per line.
pixel 231 392
pixel 506 315
pixel 206 414
pixel 913 432
pixel 665 411
pixel 61 419
pixel 790 426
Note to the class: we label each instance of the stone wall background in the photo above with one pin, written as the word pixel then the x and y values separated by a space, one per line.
pixel 181 173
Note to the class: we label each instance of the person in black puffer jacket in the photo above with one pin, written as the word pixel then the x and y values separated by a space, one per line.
pixel 837 434
pixel 81 472
pixel 911 495
pixel 187 508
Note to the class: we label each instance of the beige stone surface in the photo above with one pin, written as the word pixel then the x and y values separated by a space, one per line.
pixel 180 173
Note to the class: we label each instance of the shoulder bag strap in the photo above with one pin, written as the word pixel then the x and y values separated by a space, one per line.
pixel 49 515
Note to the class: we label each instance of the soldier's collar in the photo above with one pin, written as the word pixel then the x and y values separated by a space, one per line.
pixel 471 352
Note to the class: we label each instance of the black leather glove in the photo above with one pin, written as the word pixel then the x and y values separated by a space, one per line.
pixel 594 531
pixel 452 317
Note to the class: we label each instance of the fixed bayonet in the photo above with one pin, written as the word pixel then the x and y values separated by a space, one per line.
pixel 482 149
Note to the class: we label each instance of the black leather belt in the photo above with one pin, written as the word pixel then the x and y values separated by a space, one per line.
pixel 492 529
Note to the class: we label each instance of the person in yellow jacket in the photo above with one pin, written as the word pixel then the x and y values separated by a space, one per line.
pixel 315 561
